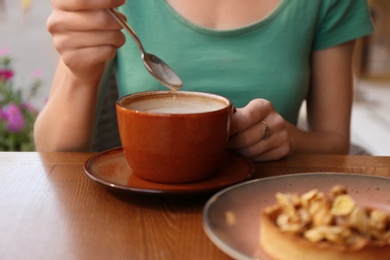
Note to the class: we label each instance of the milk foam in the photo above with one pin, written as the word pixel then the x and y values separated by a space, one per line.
pixel 178 104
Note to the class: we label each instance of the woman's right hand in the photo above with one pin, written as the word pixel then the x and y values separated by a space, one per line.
pixel 85 35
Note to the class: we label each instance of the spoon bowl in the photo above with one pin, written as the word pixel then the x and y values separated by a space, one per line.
pixel 154 65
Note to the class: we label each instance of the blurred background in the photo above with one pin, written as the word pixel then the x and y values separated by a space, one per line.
pixel 371 109
pixel 24 37
pixel 23 33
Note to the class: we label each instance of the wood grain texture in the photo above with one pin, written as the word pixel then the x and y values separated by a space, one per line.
pixel 49 209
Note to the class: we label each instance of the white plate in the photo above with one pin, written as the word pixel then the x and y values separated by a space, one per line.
pixel 231 218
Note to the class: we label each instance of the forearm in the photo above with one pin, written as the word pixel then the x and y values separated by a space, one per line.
pixel 317 142
pixel 66 122
pixel 329 104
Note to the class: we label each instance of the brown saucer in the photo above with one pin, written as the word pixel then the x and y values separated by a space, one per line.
pixel 110 169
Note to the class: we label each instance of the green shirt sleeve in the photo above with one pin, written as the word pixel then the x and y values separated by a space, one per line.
pixel 341 21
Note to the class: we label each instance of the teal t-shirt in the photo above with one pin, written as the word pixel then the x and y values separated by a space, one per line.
pixel 268 59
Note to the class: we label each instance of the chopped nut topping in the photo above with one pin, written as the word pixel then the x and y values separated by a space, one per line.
pixel 333 217
pixel 342 205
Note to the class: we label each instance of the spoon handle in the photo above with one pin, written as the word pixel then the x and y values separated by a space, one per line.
pixel 127 27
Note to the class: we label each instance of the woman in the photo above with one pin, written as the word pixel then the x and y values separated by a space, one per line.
pixel 267 56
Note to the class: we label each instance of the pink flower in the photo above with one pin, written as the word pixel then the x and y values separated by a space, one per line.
pixel 15 118
pixel 29 107
pixel 37 74
pixel 4 51
pixel 6 74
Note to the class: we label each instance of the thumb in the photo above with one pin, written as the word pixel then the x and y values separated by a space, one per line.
pixel 238 122
pixel 249 115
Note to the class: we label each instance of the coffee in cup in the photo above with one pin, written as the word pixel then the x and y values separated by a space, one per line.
pixel 174 137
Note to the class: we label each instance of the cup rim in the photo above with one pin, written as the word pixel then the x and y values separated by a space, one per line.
pixel 163 93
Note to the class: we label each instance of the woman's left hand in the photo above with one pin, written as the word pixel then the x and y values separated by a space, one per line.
pixel 259 132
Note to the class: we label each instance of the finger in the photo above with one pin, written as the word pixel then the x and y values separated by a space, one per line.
pixel 265 127
pixel 258 147
pixel 87 20
pixel 83 59
pixel 248 137
pixel 276 147
pixel 272 155
pixel 77 40
pixel 75 5
pixel 249 115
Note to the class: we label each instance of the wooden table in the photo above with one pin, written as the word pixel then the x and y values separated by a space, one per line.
pixel 49 209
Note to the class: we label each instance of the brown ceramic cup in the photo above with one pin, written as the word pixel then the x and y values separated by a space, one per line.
pixel 174 137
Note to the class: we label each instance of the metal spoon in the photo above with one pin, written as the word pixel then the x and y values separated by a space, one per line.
pixel 157 67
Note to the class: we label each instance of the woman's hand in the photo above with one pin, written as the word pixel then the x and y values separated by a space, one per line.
pixel 259 132
pixel 85 35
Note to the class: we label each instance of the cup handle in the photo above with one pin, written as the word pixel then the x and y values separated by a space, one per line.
pixel 233 109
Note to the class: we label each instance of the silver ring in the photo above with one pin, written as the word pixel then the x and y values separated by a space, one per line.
pixel 266 131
